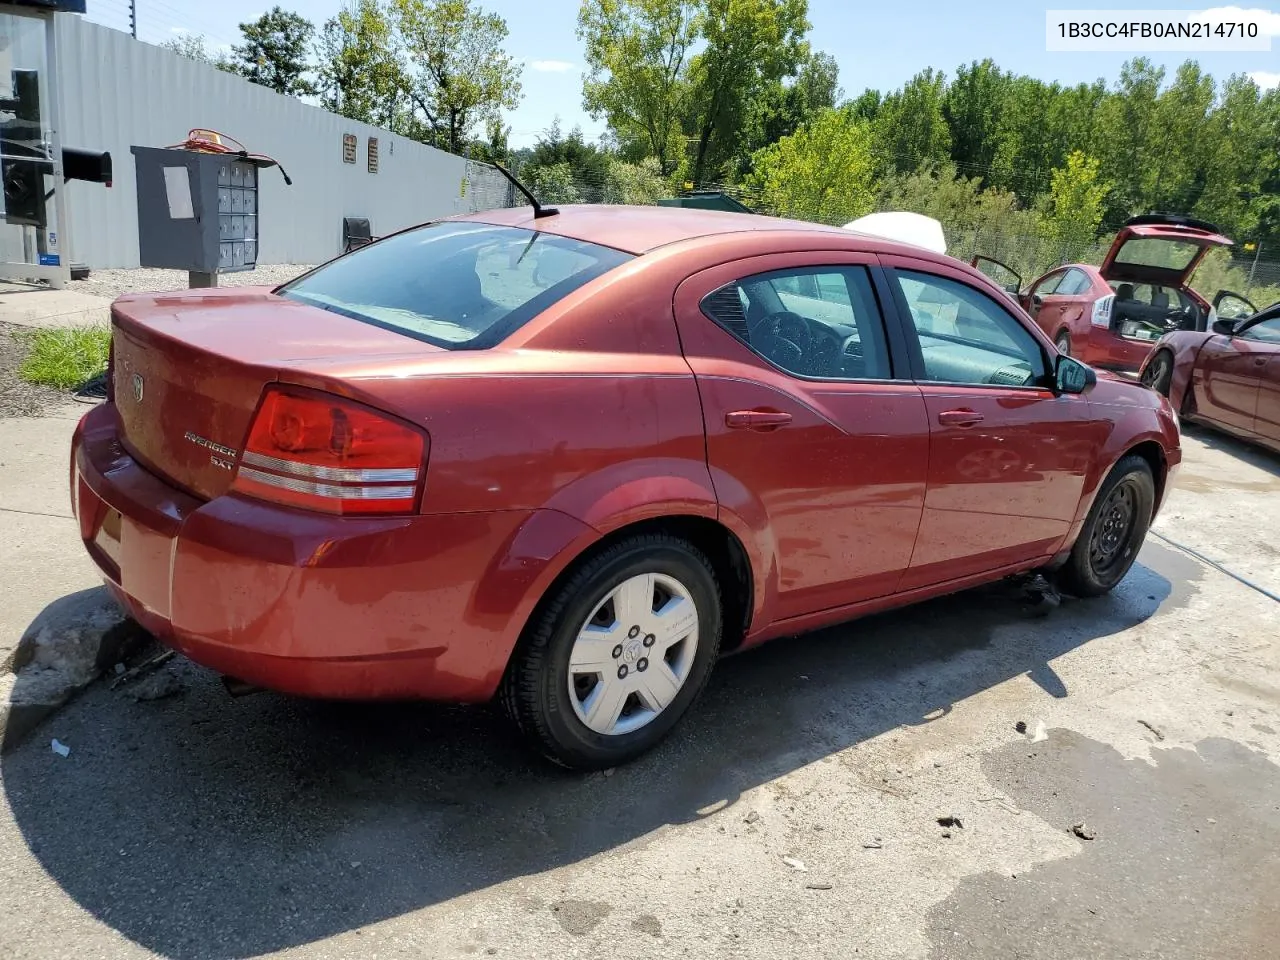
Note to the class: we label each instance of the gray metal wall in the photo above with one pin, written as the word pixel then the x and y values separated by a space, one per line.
pixel 117 92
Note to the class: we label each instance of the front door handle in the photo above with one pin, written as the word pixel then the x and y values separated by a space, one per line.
pixel 756 419
pixel 959 418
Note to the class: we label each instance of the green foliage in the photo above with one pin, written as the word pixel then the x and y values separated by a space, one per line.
pixel 821 172
pixel 1073 212
pixel 274 52
pixel 636 183
pixel 1217 272
pixel 784 105
pixel 637 54
pixel 360 75
pixel 750 45
pixel 553 184
pixel 65 357
pixel 910 129
pixel 456 72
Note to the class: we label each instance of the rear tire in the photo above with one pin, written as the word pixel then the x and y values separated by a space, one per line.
pixel 610 613
pixel 1113 532
pixel 1063 343
pixel 1159 372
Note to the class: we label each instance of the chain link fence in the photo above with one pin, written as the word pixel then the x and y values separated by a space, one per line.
pixel 1030 255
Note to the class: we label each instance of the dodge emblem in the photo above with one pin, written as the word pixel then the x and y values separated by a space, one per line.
pixel 137 387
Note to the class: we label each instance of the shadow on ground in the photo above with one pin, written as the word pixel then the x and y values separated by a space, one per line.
pixel 1250 453
pixel 200 826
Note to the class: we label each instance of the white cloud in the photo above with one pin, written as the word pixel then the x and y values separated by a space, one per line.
pixel 1265 80
pixel 551 66
pixel 1268 20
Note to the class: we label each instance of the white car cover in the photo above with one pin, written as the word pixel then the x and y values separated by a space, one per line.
pixel 913 228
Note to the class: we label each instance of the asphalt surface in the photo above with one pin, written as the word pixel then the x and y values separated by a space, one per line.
pixel 794 813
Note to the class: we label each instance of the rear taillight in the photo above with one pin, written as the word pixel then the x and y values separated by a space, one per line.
pixel 1102 310
pixel 325 453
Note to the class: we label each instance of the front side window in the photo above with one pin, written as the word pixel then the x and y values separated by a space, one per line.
pixel 817 322
pixel 457 285
pixel 1048 286
pixel 1267 331
pixel 966 337
pixel 1073 284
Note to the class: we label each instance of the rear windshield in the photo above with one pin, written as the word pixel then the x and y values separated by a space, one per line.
pixel 1155 252
pixel 456 285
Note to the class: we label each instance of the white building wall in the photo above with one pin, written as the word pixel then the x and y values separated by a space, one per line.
pixel 118 92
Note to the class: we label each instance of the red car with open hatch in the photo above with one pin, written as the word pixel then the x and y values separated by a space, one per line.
pixel 1111 315
pixel 569 458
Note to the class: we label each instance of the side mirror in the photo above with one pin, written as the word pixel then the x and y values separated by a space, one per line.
pixel 1225 328
pixel 1037 300
pixel 1073 376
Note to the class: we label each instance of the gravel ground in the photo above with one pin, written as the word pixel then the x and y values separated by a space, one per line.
pixel 112 283
pixel 17 397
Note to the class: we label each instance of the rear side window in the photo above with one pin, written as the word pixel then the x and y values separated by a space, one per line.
pixel 814 322
pixel 455 284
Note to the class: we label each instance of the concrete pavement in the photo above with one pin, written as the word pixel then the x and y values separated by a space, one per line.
pixel 199 826
pixel 32 306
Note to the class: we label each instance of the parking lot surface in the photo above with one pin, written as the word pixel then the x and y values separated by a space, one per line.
pixel 1104 773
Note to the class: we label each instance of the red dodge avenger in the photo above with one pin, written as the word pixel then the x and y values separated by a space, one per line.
pixel 570 458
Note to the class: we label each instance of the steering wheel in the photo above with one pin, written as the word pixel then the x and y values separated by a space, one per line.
pixel 781 334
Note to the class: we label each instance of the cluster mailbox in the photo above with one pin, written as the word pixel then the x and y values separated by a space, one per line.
pixel 197 212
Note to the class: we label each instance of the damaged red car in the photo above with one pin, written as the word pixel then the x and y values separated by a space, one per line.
pixel 1111 315
pixel 567 459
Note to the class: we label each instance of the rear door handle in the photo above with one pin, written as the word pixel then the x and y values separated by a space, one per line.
pixel 959 418
pixel 756 419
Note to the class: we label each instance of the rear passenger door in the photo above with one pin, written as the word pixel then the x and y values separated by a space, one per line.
pixel 810 440
pixel 1007 455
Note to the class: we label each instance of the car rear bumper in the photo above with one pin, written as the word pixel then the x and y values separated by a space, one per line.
pixel 361 608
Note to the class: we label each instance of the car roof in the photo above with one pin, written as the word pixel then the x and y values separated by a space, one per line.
pixel 636 229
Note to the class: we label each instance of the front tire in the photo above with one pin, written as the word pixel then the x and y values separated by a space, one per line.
pixel 618 653
pixel 1113 532
pixel 1159 372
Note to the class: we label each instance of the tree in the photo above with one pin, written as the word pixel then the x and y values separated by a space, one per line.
pixel 910 128
pixel 636 183
pixel 360 75
pixel 1075 205
pixel 637 54
pixel 554 184
pixel 192 46
pixel 750 44
pixel 1125 134
pixel 457 73
pixel 822 172
pixel 782 107
pixel 274 52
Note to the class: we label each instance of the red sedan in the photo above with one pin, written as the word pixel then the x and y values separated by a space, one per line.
pixel 1111 315
pixel 1228 378
pixel 571 459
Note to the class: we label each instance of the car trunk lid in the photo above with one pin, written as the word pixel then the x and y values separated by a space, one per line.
pixel 188 371
pixel 1160 250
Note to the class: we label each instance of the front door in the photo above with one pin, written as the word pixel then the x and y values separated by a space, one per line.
pixel 1007 455
pixel 1227 376
pixel 1263 337
pixel 810 440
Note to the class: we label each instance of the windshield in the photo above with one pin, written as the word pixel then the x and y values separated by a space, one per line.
pixel 1157 252
pixel 457 285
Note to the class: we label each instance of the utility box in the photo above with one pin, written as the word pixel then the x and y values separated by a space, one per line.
pixel 196 211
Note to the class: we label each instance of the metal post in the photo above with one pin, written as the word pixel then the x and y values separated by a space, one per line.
pixel 199 281
pixel 1253 269
pixel 133 18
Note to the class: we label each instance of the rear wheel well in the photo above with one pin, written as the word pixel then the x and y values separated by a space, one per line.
pixel 725 551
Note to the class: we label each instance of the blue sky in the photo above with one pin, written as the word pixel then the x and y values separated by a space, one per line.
pixel 877 44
